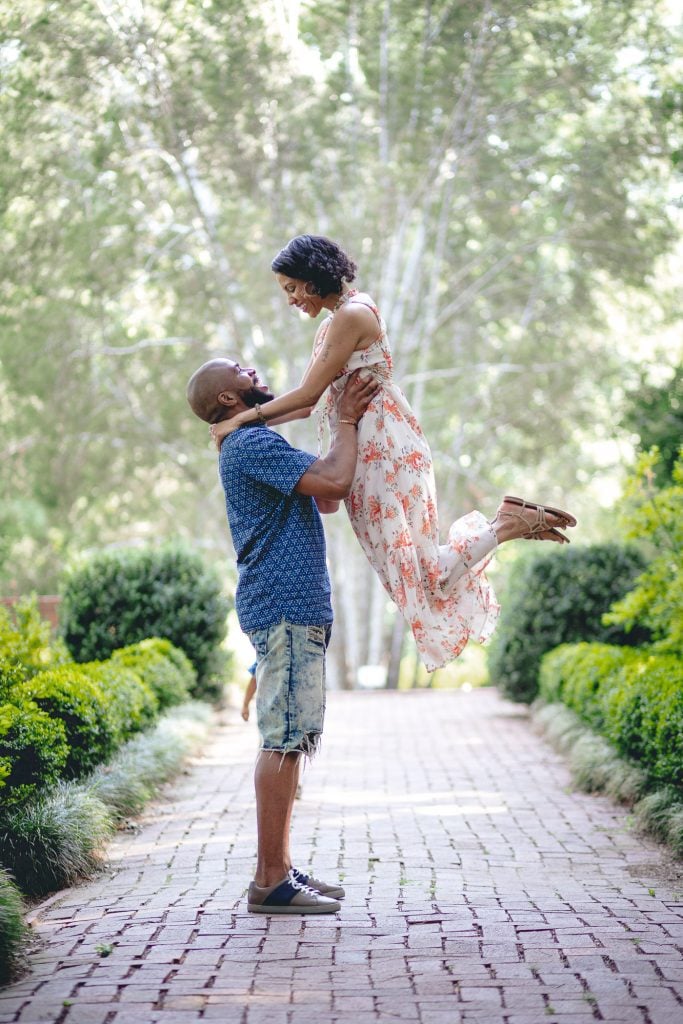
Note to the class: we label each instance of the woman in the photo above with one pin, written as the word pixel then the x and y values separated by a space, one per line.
pixel 441 589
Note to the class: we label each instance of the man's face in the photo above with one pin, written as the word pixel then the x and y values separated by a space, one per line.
pixel 245 382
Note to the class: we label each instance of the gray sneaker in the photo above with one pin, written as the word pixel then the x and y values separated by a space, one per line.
pixel 324 888
pixel 289 897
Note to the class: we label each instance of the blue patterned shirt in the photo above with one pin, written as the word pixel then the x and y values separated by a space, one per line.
pixel 277 533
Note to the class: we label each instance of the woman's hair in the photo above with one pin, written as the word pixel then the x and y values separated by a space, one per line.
pixel 315 259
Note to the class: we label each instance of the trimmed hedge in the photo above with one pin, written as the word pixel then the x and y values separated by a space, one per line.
pixel 11 674
pixel 33 751
pixel 133 704
pixel 53 840
pixel 151 661
pixel 122 597
pixel 61 723
pixel 56 726
pixel 633 698
pixel 556 597
pixel 70 696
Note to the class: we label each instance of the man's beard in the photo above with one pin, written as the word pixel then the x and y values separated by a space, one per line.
pixel 254 396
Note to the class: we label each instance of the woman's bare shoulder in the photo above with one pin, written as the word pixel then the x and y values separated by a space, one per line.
pixel 358 316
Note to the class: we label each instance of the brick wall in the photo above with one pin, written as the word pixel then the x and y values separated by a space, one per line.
pixel 48 607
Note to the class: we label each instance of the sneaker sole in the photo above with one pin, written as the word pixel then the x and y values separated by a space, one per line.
pixel 259 908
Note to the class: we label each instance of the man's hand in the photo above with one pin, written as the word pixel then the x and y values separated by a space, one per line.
pixel 356 396
pixel 331 478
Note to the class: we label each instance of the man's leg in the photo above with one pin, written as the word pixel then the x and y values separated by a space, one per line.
pixel 275 780
pixel 290 702
pixel 288 828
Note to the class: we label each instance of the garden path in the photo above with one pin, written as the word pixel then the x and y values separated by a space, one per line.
pixel 480 888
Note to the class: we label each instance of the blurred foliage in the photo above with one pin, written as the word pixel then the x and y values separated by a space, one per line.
pixel 655 414
pixel 123 597
pixel 501 172
pixel 26 639
pixel 654 516
pixel 554 597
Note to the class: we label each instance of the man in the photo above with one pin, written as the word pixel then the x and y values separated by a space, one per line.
pixel 283 602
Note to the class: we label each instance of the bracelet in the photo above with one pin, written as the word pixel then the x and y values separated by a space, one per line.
pixel 260 418
pixel 350 422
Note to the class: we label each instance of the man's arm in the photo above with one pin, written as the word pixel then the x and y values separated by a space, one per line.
pixel 331 477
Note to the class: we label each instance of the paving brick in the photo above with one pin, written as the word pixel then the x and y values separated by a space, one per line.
pixel 480 890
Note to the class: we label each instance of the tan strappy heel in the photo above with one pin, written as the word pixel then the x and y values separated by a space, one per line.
pixel 542 510
pixel 539 528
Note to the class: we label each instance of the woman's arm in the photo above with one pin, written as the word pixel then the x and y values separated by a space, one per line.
pixel 300 414
pixel 346 330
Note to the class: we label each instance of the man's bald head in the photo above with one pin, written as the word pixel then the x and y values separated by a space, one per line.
pixel 207 384
pixel 220 389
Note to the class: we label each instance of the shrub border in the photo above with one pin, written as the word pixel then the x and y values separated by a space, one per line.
pixel 596 767
pixel 133 777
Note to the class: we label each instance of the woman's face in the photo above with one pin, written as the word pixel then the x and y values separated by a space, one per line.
pixel 299 294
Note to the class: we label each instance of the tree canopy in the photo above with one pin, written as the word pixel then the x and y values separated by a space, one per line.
pixel 501 172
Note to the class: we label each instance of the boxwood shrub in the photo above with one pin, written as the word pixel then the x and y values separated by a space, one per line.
pixel 33 751
pixel 555 597
pixel 119 598
pixel 11 674
pixel 166 649
pixel 62 723
pixel 132 703
pixel 27 640
pixel 579 683
pixel 632 697
pixel 68 695
pixel 169 683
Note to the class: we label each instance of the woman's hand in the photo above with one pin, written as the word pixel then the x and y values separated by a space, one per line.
pixel 220 430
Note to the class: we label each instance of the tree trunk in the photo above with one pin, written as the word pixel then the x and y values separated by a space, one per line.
pixel 398 632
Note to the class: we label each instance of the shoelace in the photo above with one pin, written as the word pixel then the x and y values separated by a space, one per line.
pixel 300 885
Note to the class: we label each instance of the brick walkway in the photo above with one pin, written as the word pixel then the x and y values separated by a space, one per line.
pixel 479 888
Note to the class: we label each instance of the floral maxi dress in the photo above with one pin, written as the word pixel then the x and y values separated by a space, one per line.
pixel 441 589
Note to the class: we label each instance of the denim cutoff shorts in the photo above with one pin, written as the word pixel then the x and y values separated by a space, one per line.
pixel 290 685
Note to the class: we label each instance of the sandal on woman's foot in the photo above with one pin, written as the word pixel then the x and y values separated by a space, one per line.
pixel 569 519
pixel 552 534
pixel 538 526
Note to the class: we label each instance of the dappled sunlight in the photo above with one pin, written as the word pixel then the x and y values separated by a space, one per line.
pixel 453 810
pixel 382 798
